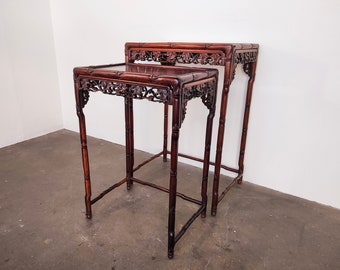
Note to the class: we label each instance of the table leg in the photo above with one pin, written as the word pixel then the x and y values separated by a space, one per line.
pixel 207 147
pixel 250 70
pixel 129 141
pixel 219 147
pixel 84 151
pixel 173 177
pixel 165 132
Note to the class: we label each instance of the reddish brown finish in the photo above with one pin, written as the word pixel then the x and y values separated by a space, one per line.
pixel 228 55
pixel 166 84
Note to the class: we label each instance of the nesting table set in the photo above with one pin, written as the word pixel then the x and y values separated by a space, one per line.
pixel 163 82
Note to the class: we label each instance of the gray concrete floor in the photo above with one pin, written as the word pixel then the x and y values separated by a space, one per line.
pixel 42 222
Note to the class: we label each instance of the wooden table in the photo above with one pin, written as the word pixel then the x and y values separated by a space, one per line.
pixel 228 55
pixel 174 86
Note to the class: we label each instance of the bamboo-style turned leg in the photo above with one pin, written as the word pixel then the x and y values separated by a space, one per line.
pixel 129 147
pixel 207 147
pixel 250 70
pixel 219 148
pixel 165 132
pixel 173 178
pixel 84 151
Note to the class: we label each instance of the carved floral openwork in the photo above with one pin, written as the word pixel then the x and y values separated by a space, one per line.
pixel 245 57
pixel 172 57
pixel 205 91
pixel 124 90
pixel 212 58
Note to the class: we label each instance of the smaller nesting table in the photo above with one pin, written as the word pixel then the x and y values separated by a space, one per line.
pixel 170 85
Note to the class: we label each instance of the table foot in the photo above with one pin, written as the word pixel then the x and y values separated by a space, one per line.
pixel 129 184
pixel 171 254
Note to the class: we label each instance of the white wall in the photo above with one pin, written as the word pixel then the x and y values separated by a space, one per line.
pixel 30 99
pixel 293 141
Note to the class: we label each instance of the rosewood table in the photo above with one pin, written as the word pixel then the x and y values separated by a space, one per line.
pixel 170 85
pixel 228 55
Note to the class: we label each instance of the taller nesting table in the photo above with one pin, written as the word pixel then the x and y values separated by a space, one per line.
pixel 228 55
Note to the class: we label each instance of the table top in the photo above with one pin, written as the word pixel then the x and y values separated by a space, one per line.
pixel 196 53
pixel 146 73
pixel 192 45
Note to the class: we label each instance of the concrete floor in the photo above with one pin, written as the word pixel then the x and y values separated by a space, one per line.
pixel 42 222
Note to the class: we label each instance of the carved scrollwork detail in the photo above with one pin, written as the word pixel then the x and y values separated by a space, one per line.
pixel 209 100
pixel 126 90
pixel 245 57
pixel 84 98
pixel 247 69
pixel 172 57
pixel 206 91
